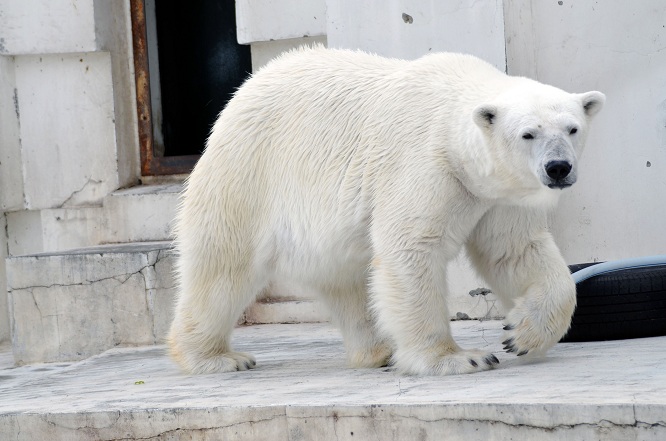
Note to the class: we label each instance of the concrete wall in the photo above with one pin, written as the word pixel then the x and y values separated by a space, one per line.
pixel 68 132
pixel 412 28
pixel 618 207
pixel 70 63
pixel 271 20
pixel 67 108
pixel 67 128
pixel 4 307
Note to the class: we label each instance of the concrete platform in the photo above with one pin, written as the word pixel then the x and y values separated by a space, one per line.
pixel 301 390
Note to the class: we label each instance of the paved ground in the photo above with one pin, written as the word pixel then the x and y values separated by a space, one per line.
pixel 301 389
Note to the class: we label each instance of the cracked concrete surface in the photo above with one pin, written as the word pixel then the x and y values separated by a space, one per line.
pixel 76 304
pixel 301 390
pixel 87 189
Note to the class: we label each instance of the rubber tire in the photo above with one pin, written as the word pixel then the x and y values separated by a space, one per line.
pixel 619 305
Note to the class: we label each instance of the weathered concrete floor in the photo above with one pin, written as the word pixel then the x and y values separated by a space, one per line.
pixel 301 390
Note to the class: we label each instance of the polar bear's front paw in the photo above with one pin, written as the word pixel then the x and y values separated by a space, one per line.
pixel 224 362
pixel 530 332
pixel 457 362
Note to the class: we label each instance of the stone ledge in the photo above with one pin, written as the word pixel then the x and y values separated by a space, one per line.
pixel 301 390
pixel 141 213
pixel 75 304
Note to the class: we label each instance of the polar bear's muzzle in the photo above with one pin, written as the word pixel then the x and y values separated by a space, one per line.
pixel 557 165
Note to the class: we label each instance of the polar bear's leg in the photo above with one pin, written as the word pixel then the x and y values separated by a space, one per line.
pixel 408 297
pixel 513 250
pixel 213 296
pixel 349 308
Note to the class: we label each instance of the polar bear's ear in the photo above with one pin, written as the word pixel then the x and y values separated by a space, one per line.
pixel 592 102
pixel 485 116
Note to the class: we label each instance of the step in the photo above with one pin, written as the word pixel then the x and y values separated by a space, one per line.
pixel 142 213
pixel 74 304
pixel 302 390
pixel 137 214
pixel 70 305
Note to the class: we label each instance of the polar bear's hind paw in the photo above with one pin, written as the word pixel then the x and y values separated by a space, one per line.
pixel 459 362
pixel 225 362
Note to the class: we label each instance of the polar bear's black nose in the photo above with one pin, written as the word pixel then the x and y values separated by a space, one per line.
pixel 558 169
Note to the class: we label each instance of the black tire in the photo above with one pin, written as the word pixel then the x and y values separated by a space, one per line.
pixel 623 304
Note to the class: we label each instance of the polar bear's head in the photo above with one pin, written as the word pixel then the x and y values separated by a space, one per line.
pixel 534 134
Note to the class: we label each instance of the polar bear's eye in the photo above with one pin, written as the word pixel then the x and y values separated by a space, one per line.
pixel 573 131
pixel 528 136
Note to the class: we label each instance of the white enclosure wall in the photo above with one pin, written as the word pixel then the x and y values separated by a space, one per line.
pixel 618 207
pixel 412 28
pixel 68 129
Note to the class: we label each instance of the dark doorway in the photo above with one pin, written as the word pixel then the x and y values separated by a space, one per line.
pixel 201 65
pixel 195 64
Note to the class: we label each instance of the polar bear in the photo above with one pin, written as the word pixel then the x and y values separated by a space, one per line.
pixel 361 177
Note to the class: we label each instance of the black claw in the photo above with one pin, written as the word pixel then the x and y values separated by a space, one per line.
pixel 508 327
pixel 473 363
pixel 522 352
pixel 508 342
pixel 491 360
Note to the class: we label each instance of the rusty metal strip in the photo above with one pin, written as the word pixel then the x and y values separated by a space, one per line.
pixel 150 164
pixel 141 75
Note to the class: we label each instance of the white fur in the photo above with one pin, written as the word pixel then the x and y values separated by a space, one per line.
pixel 362 177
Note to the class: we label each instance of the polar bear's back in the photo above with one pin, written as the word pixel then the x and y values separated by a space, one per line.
pixel 300 128
pixel 320 126
pixel 326 103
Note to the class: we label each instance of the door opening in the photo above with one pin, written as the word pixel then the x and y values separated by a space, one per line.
pixel 188 65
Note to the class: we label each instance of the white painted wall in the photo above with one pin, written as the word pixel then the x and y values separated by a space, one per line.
pixel 4 307
pixel 113 32
pixel 412 28
pixel 67 128
pixel 11 167
pixel 618 207
pixel 270 20
pixel 46 26
pixel 68 132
